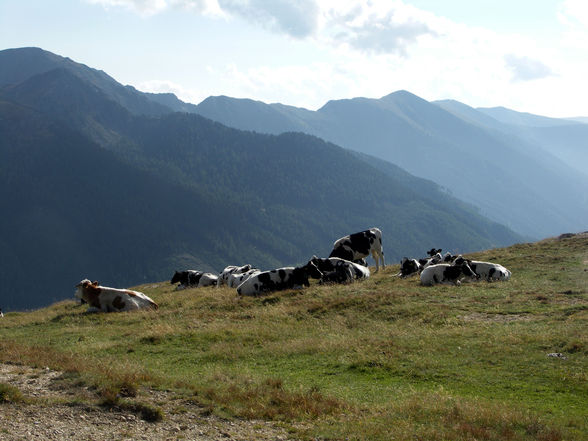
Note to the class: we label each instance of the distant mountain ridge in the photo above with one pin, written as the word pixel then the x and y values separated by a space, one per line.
pixel 532 179
pixel 98 186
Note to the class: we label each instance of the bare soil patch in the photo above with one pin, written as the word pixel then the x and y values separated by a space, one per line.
pixel 58 412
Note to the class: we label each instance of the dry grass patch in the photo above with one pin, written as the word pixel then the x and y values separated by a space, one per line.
pixel 269 399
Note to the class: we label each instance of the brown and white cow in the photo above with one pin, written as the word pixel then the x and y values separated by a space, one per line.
pixel 105 299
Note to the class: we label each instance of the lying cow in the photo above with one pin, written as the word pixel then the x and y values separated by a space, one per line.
pixel 489 271
pixel 332 263
pixel 223 277
pixel 105 299
pixel 194 279
pixel 446 273
pixel 340 274
pixel 408 267
pixel 359 245
pixel 279 279
pixel 236 279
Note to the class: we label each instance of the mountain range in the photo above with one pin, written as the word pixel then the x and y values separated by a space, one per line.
pixel 101 181
pixel 524 171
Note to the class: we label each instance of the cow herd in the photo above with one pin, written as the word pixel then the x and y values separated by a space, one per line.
pixel 451 269
pixel 346 263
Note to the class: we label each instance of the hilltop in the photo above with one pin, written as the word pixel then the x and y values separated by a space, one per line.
pixel 382 359
pixel 101 181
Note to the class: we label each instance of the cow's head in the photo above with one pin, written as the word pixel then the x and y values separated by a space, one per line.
pixel 433 251
pixel 176 278
pixel 313 271
pixel 88 291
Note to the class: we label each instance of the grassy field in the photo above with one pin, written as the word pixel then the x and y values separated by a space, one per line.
pixel 381 359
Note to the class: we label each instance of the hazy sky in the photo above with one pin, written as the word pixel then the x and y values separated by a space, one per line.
pixel 528 55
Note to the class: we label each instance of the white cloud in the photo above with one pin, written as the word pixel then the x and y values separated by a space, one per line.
pixel 374 47
pixel 152 7
pixel 574 13
pixel 164 86
pixel 525 68
pixel 375 26
pixel 296 18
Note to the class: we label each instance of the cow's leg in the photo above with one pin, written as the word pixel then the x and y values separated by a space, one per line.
pixel 378 257
pixel 375 257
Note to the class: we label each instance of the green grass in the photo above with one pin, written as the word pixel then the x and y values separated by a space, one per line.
pixel 382 359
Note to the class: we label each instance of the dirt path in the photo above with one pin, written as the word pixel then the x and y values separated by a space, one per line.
pixel 57 413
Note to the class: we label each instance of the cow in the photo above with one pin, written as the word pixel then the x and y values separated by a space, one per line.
pixel 361 262
pixel 434 251
pixel 208 279
pixel 236 279
pixel 1 313
pixel 359 245
pixel 341 274
pixel 489 271
pixel 408 267
pixel 332 263
pixel 446 273
pixel 279 279
pixel 223 277
pixel 448 257
pixel 433 260
pixel 193 278
pixel 105 299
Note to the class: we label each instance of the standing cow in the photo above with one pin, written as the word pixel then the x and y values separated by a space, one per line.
pixel 359 245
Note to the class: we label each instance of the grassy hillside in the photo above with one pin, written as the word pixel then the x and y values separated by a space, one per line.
pixel 383 359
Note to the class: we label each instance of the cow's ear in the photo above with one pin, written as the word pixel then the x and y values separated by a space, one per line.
pixel 95 283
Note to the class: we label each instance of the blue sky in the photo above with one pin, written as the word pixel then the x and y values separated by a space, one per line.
pixel 528 55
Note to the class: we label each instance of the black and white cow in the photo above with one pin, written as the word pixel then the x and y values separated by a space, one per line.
pixel 359 245
pixel 236 279
pixel 433 260
pixel 489 271
pixel 193 278
pixel 332 264
pixel 446 273
pixel 340 274
pixel 434 251
pixel 408 267
pixel 279 279
pixel 223 277
pixel 1 313
pixel 449 258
